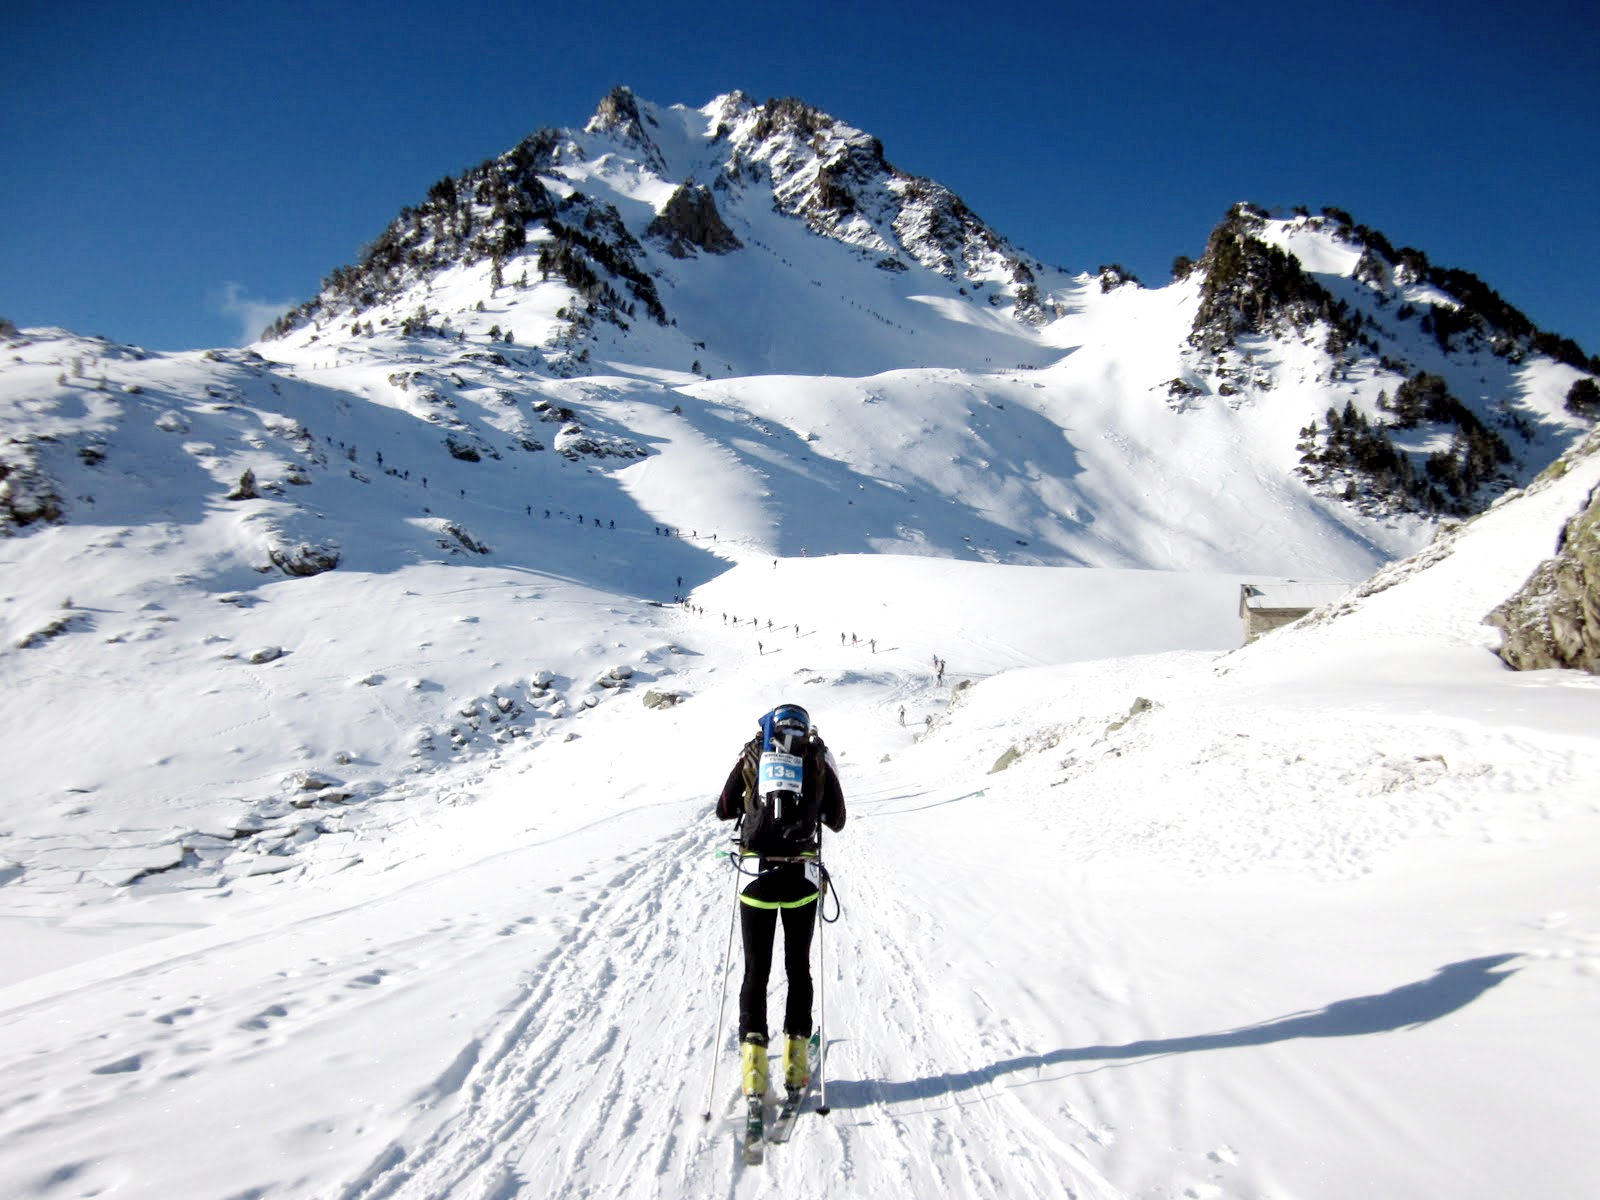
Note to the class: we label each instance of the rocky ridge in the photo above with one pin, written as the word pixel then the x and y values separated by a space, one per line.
pixel 1554 619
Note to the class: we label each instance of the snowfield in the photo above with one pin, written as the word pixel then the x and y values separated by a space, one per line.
pixel 1320 920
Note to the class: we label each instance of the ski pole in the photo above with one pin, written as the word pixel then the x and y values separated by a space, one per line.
pixel 722 997
pixel 822 1009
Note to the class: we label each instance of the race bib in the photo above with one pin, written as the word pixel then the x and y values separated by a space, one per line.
pixel 779 772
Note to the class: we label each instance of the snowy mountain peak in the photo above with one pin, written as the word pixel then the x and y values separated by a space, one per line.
pixel 725 111
pixel 618 113
pixel 620 118
pixel 582 207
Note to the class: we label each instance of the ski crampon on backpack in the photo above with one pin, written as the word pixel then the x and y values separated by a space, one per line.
pixel 780 810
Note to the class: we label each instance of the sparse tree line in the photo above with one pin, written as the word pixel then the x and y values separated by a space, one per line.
pixel 1363 451
pixel 1250 287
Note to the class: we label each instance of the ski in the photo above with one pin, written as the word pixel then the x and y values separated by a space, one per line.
pixel 783 1126
pixel 754 1131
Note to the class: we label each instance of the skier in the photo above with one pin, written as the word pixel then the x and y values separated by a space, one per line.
pixel 789 762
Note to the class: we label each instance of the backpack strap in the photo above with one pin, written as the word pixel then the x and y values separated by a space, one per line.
pixel 749 764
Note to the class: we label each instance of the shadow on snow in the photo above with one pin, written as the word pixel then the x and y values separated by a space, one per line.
pixel 1450 989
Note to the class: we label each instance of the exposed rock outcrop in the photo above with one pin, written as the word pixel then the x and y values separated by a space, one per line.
pixel 620 117
pixel 1554 621
pixel 1251 287
pixel 303 559
pixel 26 493
pixel 690 219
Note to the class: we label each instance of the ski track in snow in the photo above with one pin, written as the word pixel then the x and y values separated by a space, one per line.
pixel 911 1114
pixel 570 1045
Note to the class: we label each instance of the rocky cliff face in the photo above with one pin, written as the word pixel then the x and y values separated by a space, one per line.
pixel 836 179
pixel 1554 621
pixel 689 220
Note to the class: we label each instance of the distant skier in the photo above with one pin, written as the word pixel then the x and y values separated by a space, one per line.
pixel 782 790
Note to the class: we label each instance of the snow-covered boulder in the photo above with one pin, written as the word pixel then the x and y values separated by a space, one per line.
pixel 304 559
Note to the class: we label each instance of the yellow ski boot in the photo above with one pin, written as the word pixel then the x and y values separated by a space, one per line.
pixel 796 1062
pixel 753 1057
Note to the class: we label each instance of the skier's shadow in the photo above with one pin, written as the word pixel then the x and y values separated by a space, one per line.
pixel 1448 990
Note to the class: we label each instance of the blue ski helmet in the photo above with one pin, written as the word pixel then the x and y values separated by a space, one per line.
pixel 785 728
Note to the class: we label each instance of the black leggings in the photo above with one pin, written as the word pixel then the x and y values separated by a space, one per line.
pixel 759 927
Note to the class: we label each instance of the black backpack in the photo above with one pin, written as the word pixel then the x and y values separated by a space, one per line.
pixel 781 811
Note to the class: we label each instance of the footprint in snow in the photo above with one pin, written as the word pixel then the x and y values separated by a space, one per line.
pixel 264 1018
pixel 122 1066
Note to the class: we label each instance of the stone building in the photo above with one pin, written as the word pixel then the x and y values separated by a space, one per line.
pixel 1264 607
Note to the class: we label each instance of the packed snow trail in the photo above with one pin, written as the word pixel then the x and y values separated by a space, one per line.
pixel 571 1044
pixel 636 975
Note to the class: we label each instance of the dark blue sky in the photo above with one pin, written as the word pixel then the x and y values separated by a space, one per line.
pixel 167 165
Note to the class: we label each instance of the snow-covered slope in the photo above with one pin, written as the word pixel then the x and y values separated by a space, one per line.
pixel 1317 918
